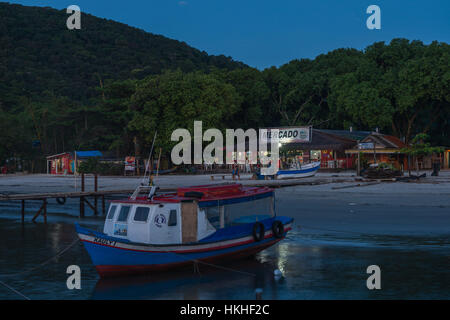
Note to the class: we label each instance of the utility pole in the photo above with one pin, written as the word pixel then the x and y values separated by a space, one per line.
pixel 137 154
pixel 359 162
pixel 374 154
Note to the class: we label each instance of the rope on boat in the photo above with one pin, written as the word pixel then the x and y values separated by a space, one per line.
pixel 14 290
pixel 43 263
pixel 35 268
pixel 225 268
pixel 196 262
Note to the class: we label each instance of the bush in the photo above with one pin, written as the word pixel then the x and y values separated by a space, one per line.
pixel 93 165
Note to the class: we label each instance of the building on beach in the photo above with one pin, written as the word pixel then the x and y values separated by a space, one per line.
pixel 334 149
pixel 378 147
pixel 67 162
pixel 326 146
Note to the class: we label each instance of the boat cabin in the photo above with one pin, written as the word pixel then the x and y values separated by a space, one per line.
pixel 188 215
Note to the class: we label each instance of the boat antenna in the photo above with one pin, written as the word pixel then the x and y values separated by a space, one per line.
pixel 148 161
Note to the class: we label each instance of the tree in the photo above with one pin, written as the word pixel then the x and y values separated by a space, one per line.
pixel 396 87
pixel 254 97
pixel 420 147
pixel 300 89
pixel 175 100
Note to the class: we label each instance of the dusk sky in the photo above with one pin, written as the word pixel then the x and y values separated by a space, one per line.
pixel 266 33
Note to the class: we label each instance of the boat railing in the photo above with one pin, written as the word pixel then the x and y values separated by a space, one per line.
pixel 150 191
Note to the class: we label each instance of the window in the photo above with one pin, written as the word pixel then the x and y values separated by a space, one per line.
pixel 120 229
pixel 248 212
pixel 123 215
pixel 112 211
pixel 213 216
pixel 172 218
pixel 141 214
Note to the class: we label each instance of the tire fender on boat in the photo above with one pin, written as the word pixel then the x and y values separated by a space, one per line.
pixel 258 231
pixel 61 200
pixel 277 229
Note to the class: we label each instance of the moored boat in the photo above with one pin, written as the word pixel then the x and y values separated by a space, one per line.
pixel 196 224
pixel 299 171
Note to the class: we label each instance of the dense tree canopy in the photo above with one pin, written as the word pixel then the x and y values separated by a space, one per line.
pixel 173 100
pixel 398 87
pixel 111 90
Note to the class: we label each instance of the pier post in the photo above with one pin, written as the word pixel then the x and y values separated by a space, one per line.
pixel 82 197
pixel 95 189
pixel 40 210
pixel 258 293
pixel 81 207
pixel 45 210
pixel 23 211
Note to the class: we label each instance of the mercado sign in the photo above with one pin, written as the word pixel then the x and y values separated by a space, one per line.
pixel 286 135
pixel 365 145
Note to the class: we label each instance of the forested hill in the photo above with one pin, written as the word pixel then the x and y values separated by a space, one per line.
pixel 38 53
pixel 111 87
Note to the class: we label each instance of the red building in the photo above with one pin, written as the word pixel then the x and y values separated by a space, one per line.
pixel 62 163
pixel 67 162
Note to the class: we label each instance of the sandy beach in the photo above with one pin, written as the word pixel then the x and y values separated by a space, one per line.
pixel 323 181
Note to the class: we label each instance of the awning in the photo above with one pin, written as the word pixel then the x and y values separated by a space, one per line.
pixel 88 154
pixel 370 151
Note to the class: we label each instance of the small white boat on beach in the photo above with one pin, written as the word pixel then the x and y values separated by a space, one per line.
pixel 299 170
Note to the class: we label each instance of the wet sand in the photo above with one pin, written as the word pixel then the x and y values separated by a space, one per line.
pixel 402 227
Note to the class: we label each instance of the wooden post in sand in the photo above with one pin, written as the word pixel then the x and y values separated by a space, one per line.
pixel 95 189
pixel 23 211
pixel 82 198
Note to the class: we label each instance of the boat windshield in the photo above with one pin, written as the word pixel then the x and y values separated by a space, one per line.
pixel 240 213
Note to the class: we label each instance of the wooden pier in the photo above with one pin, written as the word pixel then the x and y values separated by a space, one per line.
pixel 97 195
pixel 62 196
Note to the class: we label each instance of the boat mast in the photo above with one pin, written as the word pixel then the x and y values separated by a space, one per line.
pixel 144 182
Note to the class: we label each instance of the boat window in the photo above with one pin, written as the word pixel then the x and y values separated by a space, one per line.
pixel 213 216
pixel 248 212
pixel 123 215
pixel 141 214
pixel 112 211
pixel 172 218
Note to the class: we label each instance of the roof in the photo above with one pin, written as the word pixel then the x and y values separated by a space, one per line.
pixel 353 135
pixel 322 140
pixel 385 141
pixel 396 141
pixel 58 155
pixel 209 195
pixel 88 154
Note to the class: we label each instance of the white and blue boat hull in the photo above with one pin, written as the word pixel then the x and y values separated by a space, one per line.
pixel 113 256
pixel 304 171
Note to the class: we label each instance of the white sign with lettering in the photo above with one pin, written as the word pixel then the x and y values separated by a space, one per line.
pixel 286 135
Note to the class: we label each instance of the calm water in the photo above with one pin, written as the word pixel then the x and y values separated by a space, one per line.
pixel 335 238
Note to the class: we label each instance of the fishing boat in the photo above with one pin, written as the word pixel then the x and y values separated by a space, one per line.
pixel 150 232
pixel 299 170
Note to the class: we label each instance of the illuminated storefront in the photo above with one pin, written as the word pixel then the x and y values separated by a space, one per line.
pixel 303 145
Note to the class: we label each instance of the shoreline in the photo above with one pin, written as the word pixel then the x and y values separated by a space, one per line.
pixel 343 182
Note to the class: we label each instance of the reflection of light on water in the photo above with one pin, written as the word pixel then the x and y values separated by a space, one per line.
pixel 283 252
pixel 55 237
